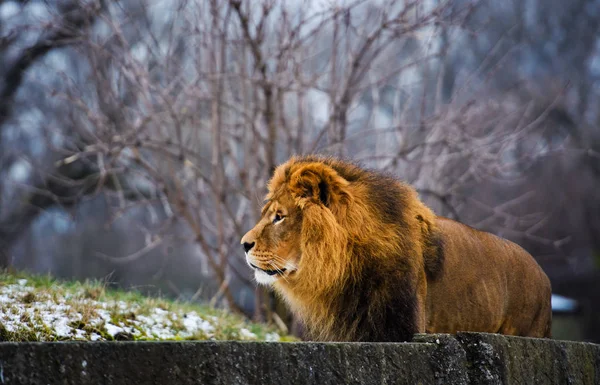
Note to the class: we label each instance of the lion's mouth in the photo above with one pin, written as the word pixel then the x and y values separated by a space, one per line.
pixel 270 272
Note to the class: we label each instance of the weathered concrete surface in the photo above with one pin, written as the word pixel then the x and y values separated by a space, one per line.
pixel 496 359
pixel 466 358
pixel 218 363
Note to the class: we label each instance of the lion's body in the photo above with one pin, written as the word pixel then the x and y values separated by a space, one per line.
pixel 489 284
pixel 366 260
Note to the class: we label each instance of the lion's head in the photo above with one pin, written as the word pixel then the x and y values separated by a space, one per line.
pixel 302 205
pixel 273 246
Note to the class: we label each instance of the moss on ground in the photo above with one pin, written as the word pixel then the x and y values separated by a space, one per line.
pixel 42 308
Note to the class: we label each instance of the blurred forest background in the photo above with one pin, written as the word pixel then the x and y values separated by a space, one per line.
pixel 136 137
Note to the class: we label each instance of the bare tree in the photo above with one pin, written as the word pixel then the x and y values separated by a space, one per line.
pixel 64 28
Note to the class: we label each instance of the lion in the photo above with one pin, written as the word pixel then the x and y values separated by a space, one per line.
pixel 358 257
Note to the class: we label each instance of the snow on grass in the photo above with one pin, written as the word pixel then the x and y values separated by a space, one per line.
pixel 41 309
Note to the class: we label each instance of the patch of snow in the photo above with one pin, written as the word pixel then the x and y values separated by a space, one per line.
pixel 112 329
pixel 103 314
pixel 245 333
pixel 10 326
pixel 194 323
pixel 122 305
pixel 61 327
pixel 272 337
pixel 160 312
pixel 155 326
pixel 80 334
pixel 46 311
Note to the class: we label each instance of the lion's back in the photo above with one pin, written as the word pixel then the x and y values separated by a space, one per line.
pixel 488 284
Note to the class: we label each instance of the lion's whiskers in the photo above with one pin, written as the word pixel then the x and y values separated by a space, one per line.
pixel 286 264
pixel 277 258
pixel 271 264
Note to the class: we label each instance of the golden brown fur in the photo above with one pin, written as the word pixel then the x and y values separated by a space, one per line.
pixel 358 257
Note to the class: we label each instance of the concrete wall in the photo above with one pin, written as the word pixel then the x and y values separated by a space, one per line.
pixel 467 358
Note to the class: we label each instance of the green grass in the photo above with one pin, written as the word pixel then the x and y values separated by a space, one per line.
pixel 42 308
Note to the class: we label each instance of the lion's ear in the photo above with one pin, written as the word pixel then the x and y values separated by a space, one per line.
pixel 318 183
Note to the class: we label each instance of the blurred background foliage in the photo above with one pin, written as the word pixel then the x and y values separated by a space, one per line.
pixel 136 137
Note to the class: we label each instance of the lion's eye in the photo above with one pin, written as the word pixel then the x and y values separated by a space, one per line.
pixel 278 218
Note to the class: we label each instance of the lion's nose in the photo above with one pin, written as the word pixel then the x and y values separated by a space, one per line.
pixel 248 246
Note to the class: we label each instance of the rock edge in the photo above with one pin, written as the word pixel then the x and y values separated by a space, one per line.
pixel 464 358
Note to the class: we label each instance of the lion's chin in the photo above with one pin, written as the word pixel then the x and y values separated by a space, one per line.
pixel 264 278
pixel 268 277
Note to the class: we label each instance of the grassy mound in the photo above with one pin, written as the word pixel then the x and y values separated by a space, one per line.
pixel 40 308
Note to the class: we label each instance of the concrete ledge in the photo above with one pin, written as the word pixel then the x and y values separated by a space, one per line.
pixel 467 358
pixel 496 359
